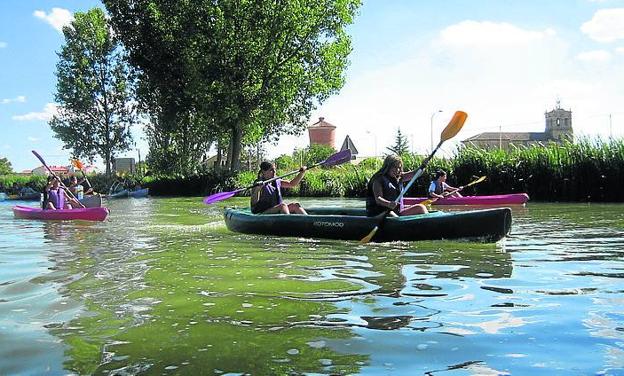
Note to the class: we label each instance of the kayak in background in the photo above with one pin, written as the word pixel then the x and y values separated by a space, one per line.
pixel 489 225
pixel 92 201
pixel 508 199
pixel 26 197
pixel 139 193
pixel 85 214
pixel 125 193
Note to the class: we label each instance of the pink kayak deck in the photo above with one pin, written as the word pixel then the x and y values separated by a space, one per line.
pixel 85 214
pixel 508 199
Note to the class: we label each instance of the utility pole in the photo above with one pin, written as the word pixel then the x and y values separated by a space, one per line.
pixel 431 128
pixel 610 127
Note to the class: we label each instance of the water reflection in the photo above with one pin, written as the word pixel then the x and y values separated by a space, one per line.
pixel 162 287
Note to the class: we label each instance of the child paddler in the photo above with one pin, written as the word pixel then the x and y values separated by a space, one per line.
pixel 385 186
pixel 267 198
pixel 55 198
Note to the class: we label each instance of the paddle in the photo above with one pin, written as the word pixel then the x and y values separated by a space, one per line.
pixel 431 200
pixel 71 195
pixel 334 160
pixel 453 127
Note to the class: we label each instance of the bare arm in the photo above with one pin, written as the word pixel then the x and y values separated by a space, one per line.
pixel 296 180
pixel 407 176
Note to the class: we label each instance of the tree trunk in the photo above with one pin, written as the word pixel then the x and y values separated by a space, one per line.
pixel 219 156
pixel 235 148
pixel 107 161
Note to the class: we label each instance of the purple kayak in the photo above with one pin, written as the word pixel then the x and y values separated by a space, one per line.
pixel 508 199
pixel 85 214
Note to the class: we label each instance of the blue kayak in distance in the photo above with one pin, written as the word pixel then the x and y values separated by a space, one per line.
pixel 489 225
pixel 139 193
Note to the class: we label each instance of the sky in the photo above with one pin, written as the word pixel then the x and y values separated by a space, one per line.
pixel 413 64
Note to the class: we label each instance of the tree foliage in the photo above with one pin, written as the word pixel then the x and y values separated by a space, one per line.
pixel 401 145
pixel 95 90
pixel 313 154
pixel 5 166
pixel 238 71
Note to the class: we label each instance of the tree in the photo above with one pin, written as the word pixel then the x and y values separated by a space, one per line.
pixel 95 90
pixel 253 70
pixel 400 146
pixel 5 167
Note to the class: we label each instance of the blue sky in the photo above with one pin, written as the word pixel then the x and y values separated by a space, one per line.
pixel 503 62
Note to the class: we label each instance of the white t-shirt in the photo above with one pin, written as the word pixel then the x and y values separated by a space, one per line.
pixel 432 186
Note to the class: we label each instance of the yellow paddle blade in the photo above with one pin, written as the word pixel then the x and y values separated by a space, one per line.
pixel 370 235
pixel 427 202
pixel 482 178
pixel 454 126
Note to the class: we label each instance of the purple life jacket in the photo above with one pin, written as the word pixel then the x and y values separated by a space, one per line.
pixel 270 195
pixel 57 197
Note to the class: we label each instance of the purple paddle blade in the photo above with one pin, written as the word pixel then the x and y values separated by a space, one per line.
pixel 219 197
pixel 338 158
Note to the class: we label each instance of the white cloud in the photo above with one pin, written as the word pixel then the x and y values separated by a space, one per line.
pixel 505 76
pixel 33 139
pixel 48 111
pixel 19 98
pixel 490 34
pixel 599 56
pixel 619 50
pixel 607 25
pixel 3 44
pixel 58 17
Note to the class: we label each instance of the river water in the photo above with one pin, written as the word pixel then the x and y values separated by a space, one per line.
pixel 162 287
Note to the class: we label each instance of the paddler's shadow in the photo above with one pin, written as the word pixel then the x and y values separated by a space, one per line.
pixel 405 269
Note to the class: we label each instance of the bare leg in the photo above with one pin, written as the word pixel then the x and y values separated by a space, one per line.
pixel 277 209
pixel 296 208
pixel 414 209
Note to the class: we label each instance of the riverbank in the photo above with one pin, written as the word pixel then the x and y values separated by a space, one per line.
pixel 588 171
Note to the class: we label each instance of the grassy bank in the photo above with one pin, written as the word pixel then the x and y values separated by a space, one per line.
pixel 588 171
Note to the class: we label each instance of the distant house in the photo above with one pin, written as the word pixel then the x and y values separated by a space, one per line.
pixel 348 144
pixel 58 170
pixel 124 165
pixel 558 129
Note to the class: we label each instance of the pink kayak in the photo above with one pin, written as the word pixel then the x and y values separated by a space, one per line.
pixel 85 214
pixel 508 199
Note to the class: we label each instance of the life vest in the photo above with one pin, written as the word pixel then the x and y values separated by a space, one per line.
pixel 270 195
pixel 439 187
pixel 56 197
pixel 390 190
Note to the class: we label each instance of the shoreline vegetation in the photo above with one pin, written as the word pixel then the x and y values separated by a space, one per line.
pixel 587 171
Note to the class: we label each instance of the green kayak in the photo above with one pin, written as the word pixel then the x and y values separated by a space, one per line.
pixel 488 225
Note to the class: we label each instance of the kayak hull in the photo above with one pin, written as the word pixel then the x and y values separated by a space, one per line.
pixel 85 214
pixel 508 199
pixel 489 225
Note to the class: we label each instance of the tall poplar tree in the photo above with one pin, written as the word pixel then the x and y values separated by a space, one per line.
pixel 94 91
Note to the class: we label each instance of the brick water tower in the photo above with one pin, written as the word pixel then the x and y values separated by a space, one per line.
pixel 322 133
